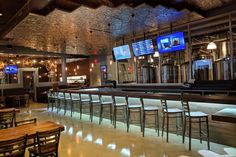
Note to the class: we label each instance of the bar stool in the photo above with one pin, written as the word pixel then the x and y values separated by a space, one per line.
pixel 50 99
pixel 134 105
pixel 75 99
pixel 152 111
pixel 60 100
pixel 84 100
pixel 119 103
pixel 68 101
pixel 195 117
pixel 106 101
pixel 94 100
pixel 170 113
pixel 54 99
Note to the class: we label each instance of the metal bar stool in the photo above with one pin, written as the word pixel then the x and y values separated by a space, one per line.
pixel 84 100
pixel 134 105
pixel 119 103
pixel 150 110
pixel 68 101
pixel 60 100
pixel 106 101
pixel 54 99
pixel 50 99
pixel 170 113
pixel 75 99
pixel 195 117
pixel 94 100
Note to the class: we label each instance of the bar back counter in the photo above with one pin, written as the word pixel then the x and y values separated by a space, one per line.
pixel 222 108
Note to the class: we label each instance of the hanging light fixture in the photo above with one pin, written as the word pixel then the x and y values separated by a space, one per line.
pixel 211 46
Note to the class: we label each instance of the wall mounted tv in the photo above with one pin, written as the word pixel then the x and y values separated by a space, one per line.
pixel 10 69
pixel 171 42
pixel 142 48
pixel 121 52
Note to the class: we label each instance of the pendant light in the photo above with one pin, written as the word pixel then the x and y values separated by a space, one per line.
pixel 211 46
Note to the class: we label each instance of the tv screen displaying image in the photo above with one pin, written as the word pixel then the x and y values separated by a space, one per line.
pixel 10 69
pixel 171 42
pixel 142 48
pixel 121 52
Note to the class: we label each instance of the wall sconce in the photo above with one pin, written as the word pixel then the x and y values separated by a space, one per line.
pixel 110 62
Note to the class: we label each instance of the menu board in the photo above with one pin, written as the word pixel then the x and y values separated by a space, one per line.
pixel 144 47
pixel 121 52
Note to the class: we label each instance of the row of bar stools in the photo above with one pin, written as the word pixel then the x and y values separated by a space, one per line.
pixel 170 113
pixel 119 103
pixel 195 117
pixel 105 101
pixel 134 105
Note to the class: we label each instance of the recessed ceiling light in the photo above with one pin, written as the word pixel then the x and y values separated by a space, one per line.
pixel 1 14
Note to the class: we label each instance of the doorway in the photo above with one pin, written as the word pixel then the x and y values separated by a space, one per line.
pixel 29 82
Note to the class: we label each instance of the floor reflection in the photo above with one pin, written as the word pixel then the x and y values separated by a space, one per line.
pixel 82 138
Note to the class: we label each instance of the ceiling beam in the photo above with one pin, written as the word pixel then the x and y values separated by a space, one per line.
pixel 20 50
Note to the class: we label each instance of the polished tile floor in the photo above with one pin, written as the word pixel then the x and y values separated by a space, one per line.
pixel 82 138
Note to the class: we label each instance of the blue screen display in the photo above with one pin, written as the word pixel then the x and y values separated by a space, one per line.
pixel 121 52
pixel 10 69
pixel 144 47
pixel 172 42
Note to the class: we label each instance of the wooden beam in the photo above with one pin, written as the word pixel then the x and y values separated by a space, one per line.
pixel 19 50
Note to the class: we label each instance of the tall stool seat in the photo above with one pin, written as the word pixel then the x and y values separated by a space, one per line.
pixel 134 105
pixel 119 103
pixel 94 100
pixel 60 100
pixel 84 100
pixel 75 101
pixel 170 113
pixel 149 110
pixel 106 101
pixel 68 101
pixel 195 117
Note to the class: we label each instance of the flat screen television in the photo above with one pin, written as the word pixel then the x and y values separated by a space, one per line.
pixel 121 52
pixel 142 48
pixel 171 42
pixel 10 69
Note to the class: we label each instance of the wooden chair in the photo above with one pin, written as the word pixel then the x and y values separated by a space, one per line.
pixel 47 143
pixel 14 147
pixel 30 142
pixel 7 119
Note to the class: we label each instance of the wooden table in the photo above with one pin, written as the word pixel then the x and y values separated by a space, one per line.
pixel 30 129
pixel 225 115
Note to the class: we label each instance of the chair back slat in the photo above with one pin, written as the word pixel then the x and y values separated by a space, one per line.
pixel 164 105
pixel 14 147
pixel 26 121
pixel 185 106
